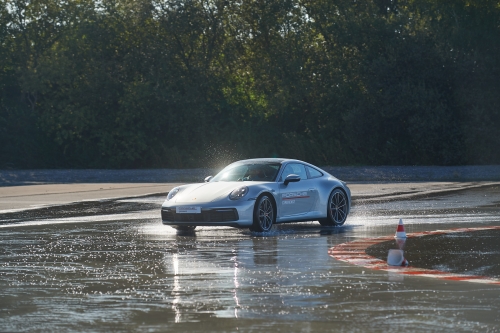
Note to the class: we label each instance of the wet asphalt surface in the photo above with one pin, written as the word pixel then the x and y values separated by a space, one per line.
pixel 112 266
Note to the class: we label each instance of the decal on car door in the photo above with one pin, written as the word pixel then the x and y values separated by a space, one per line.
pixel 289 198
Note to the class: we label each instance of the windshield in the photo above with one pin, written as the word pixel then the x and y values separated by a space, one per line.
pixel 258 172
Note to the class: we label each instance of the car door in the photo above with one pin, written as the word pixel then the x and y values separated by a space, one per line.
pixel 296 198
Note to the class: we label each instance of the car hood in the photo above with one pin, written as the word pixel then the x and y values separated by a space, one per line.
pixel 206 192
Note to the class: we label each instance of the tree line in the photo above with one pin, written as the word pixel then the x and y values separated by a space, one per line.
pixel 170 83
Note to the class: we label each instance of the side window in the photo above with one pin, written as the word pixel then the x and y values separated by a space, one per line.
pixel 295 168
pixel 313 173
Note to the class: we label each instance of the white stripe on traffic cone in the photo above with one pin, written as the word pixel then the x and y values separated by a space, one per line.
pixel 400 231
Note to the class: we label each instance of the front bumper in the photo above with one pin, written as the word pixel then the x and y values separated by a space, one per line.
pixel 206 215
pixel 240 216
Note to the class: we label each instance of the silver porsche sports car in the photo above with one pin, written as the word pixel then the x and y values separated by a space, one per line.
pixel 257 194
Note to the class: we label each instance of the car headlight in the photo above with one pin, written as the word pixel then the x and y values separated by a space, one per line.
pixel 172 193
pixel 238 193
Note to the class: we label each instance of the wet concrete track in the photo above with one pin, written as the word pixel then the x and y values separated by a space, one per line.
pixel 112 266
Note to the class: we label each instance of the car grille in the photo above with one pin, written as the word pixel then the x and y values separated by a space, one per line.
pixel 212 215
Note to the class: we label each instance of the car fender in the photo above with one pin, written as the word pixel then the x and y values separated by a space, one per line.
pixel 256 190
pixel 325 188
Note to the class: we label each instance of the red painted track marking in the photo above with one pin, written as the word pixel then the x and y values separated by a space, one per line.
pixel 355 253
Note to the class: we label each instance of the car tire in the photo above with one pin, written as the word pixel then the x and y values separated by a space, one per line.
pixel 184 228
pixel 336 209
pixel 264 214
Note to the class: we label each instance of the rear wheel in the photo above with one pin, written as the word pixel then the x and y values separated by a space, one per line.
pixel 336 209
pixel 263 214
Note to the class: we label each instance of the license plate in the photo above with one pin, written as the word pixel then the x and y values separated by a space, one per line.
pixel 188 210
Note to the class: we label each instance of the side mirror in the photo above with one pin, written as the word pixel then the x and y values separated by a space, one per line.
pixel 209 178
pixel 292 178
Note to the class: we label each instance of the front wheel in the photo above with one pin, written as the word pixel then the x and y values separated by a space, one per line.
pixel 263 214
pixel 336 209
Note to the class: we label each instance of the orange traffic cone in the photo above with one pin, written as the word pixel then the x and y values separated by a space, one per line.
pixel 400 231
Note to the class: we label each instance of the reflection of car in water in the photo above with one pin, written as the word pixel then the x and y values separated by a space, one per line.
pixel 257 267
pixel 257 194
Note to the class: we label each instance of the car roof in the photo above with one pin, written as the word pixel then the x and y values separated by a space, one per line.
pixel 268 160
pixel 275 160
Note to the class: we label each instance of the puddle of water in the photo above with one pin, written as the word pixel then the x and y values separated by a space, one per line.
pixel 469 253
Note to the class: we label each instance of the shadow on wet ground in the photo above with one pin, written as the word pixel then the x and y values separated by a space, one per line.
pixel 469 253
